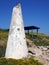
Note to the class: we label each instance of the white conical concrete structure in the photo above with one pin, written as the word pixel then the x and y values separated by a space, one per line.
pixel 16 45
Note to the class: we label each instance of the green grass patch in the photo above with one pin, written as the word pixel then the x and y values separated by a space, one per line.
pixel 29 61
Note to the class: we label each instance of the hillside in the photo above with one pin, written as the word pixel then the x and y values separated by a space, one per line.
pixel 40 40
pixel 4 61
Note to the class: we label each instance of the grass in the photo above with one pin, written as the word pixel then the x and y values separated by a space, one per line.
pixel 39 40
pixel 3 41
pixel 29 61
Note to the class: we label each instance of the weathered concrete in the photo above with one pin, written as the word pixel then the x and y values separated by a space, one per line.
pixel 16 45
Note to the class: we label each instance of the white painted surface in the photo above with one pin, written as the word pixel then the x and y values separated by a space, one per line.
pixel 16 45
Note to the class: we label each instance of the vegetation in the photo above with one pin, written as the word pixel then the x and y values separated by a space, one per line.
pixel 29 61
pixel 3 41
pixel 39 40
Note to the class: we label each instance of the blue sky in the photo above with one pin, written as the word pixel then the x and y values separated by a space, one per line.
pixel 35 12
